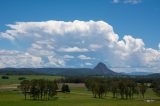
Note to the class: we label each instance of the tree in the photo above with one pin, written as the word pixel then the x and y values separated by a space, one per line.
pixel 142 88
pixel 25 86
pixel 21 78
pixel 39 89
pixel 122 88
pixel 52 87
pixel 114 88
pixel 65 88
pixel 5 77
pixel 97 86
pixel 156 87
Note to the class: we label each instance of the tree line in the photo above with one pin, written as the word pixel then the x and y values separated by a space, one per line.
pixel 38 89
pixel 122 87
pixel 156 86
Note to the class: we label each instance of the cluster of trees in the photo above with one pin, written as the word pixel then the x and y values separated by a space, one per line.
pixel 97 86
pixel 21 78
pixel 123 88
pixel 156 86
pixel 65 88
pixel 39 89
pixel 5 77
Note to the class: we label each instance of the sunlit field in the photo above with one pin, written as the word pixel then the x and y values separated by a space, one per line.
pixel 79 96
pixel 14 79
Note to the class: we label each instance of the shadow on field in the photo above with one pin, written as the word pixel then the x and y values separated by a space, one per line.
pixel 51 99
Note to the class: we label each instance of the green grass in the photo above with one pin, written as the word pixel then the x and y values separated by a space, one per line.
pixel 79 96
pixel 15 98
pixel 13 79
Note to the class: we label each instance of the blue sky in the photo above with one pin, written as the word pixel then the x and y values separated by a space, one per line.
pixel 137 18
pixel 140 20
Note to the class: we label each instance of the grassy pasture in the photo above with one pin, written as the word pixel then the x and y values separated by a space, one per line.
pixel 13 79
pixel 79 96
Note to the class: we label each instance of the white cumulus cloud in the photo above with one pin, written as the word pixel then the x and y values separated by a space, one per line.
pixel 68 57
pixel 83 57
pixel 13 58
pixel 127 1
pixel 58 43
pixel 88 64
pixel 73 49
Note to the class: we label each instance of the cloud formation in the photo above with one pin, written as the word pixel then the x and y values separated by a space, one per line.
pixel 127 1
pixel 74 43
pixel 73 49
pixel 83 57
pixel 13 58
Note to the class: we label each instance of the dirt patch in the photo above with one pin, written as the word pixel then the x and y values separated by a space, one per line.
pixel 151 100
pixel 75 85
pixel 10 86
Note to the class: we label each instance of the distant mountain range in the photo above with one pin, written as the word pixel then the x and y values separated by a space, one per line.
pixel 99 70
pixel 138 73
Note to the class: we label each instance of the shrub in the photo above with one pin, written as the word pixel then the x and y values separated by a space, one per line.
pixel 5 77
pixel 21 78
pixel 65 88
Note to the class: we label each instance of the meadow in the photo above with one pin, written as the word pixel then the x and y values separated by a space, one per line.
pixel 14 79
pixel 79 96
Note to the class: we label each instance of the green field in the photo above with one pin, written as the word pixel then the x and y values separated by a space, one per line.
pixel 13 79
pixel 79 96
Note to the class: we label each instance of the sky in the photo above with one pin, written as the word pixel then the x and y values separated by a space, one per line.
pixel 124 34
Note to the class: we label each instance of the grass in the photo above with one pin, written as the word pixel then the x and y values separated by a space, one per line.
pixel 13 79
pixel 17 99
pixel 79 96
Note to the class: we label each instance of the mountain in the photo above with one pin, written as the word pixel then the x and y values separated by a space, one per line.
pixel 99 69
pixel 155 75
pixel 102 69
pixel 18 71
pixel 139 73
